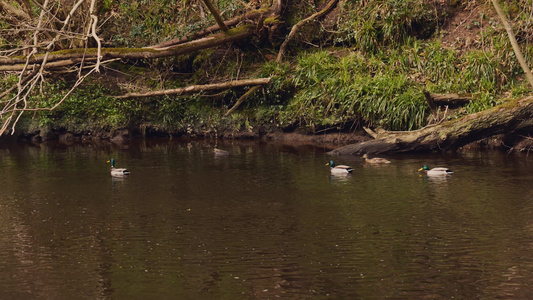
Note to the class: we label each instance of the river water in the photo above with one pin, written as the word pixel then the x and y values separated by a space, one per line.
pixel 265 222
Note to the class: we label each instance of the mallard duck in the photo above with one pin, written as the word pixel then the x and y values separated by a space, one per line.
pixel 117 171
pixel 376 160
pixel 340 169
pixel 436 171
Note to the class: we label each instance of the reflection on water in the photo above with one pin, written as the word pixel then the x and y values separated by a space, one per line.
pixel 265 221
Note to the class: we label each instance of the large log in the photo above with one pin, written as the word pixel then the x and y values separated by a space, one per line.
pixel 515 115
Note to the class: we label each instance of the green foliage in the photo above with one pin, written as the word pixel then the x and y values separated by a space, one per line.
pixel 280 88
pixel 438 64
pixel 164 112
pixel 89 107
pixel 148 22
pixel 481 102
pixel 332 91
pixel 106 5
pixel 299 10
pixel 371 25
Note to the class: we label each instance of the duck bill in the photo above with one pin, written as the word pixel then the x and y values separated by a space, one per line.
pixel 420 169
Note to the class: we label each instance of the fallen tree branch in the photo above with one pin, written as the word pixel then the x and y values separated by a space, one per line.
pixel 232 35
pixel 512 116
pixel 52 65
pixel 199 88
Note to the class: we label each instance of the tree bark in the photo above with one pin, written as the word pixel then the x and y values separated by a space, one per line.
pixel 512 116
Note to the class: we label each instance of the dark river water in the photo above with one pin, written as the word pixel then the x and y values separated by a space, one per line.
pixel 267 221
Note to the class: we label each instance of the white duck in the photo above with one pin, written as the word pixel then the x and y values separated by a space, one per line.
pixel 117 171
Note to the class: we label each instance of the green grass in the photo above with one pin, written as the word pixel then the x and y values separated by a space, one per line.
pixel 333 91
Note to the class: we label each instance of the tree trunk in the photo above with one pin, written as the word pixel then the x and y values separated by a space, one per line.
pixel 512 116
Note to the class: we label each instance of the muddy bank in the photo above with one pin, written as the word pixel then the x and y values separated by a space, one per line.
pixel 328 141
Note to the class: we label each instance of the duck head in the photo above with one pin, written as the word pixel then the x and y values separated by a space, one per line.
pixel 112 161
pixel 424 168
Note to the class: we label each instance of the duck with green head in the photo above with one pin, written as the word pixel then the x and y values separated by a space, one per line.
pixel 340 169
pixel 436 171
pixel 117 171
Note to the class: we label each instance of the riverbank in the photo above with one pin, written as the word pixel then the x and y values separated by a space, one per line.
pixel 327 140
pixel 121 136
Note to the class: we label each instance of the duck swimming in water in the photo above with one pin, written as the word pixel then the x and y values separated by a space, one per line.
pixel 117 171
pixel 340 169
pixel 436 171
pixel 376 160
